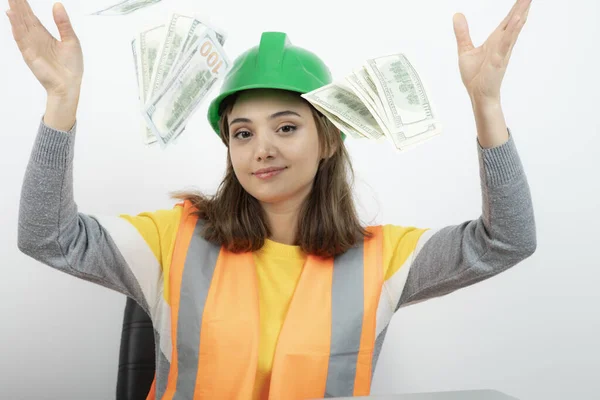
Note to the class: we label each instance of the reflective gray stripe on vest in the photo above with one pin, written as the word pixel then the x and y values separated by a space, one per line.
pixel 199 267
pixel 347 310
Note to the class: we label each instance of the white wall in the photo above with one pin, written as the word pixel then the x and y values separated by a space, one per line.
pixel 531 332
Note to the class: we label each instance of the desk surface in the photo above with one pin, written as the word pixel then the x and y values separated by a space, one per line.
pixel 454 395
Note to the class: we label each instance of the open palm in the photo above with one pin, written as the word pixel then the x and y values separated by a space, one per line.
pixel 58 65
pixel 482 68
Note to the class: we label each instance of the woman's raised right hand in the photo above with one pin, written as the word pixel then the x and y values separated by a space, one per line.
pixel 58 65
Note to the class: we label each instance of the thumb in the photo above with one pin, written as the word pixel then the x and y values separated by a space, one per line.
pixel 461 31
pixel 65 29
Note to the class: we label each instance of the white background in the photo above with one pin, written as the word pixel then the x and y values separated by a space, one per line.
pixel 531 332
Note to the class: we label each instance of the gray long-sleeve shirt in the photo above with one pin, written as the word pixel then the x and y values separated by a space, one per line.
pixel 52 230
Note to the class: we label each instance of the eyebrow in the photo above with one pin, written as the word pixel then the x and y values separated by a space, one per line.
pixel 272 116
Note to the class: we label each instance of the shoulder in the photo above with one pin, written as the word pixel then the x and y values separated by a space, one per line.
pixel 396 234
pixel 156 219
pixel 399 245
pixel 158 228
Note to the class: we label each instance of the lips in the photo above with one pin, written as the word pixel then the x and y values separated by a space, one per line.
pixel 268 172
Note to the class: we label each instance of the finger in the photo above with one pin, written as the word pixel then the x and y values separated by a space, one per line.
pixel 63 23
pixel 24 14
pixel 15 15
pixel 18 27
pixel 461 31
pixel 23 9
pixel 17 6
pixel 15 23
pixel 526 13
pixel 511 35
pixel 506 19
pixel 517 28
pixel 516 9
pixel 522 10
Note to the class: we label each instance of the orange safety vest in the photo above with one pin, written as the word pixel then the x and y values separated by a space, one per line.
pixel 326 344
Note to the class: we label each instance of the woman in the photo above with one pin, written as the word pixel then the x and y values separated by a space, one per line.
pixel 271 288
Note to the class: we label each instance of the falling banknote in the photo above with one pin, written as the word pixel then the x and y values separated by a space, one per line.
pixel 160 53
pixel 145 49
pixel 126 7
pixel 385 98
pixel 168 110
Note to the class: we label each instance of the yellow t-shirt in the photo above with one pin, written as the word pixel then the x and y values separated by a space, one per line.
pixel 279 266
pixel 278 269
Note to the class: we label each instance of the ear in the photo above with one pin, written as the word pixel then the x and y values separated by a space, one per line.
pixel 332 151
pixel 323 122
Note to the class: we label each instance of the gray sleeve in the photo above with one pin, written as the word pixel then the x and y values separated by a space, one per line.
pixel 505 234
pixel 52 231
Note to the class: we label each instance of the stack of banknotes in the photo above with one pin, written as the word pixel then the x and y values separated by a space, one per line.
pixel 383 99
pixel 177 64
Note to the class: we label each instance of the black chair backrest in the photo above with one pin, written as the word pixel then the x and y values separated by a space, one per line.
pixel 136 356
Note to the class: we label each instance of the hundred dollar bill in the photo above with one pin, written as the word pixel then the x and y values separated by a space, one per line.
pixel 360 90
pixel 402 93
pixel 428 132
pixel 341 125
pixel 203 65
pixel 347 107
pixel 125 7
pixel 197 29
pixel 354 86
pixel 176 31
pixel 146 45
pixel 363 81
pixel 136 64
pixel 149 44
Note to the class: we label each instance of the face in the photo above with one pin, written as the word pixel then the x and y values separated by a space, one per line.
pixel 274 145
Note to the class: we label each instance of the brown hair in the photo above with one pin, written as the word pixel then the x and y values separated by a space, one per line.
pixel 328 223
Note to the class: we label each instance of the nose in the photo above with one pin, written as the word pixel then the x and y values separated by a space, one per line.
pixel 265 146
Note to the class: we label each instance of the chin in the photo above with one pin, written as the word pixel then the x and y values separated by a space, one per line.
pixel 269 197
pixel 276 192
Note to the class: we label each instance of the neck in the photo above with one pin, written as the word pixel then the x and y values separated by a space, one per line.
pixel 282 218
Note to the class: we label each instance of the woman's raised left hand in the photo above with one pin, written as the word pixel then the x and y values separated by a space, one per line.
pixel 482 68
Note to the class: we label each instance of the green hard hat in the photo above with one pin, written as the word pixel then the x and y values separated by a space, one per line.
pixel 274 64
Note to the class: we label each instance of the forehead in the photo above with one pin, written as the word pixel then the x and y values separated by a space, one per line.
pixel 264 101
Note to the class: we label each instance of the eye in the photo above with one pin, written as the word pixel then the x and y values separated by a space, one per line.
pixel 237 135
pixel 288 128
